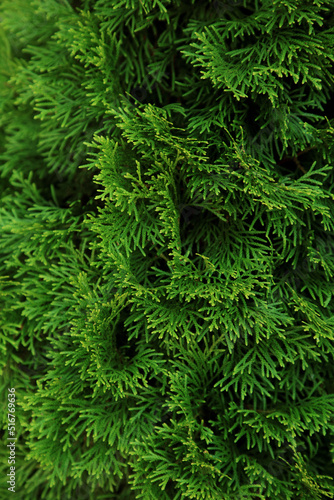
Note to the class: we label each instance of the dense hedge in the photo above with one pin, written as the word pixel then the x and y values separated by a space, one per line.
pixel 166 248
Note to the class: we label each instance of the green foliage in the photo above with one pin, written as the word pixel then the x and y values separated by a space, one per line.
pixel 167 248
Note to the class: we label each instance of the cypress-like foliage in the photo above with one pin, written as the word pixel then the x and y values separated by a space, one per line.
pixel 167 248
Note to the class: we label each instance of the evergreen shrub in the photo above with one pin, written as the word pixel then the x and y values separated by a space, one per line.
pixel 166 248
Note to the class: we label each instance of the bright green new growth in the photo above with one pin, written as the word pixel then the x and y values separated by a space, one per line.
pixel 166 248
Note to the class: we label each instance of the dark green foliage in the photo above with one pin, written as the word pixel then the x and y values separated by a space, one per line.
pixel 167 248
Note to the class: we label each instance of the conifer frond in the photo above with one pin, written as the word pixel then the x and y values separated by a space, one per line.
pixel 166 248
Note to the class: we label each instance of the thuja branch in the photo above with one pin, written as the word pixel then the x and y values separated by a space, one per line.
pixel 249 407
